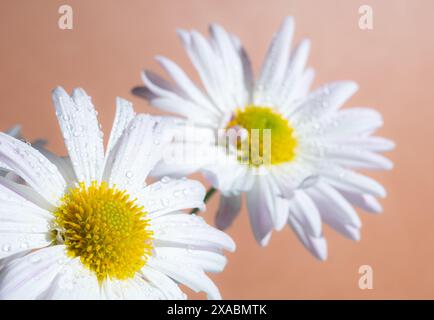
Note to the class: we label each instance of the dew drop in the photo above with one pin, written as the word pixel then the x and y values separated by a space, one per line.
pixel 6 247
pixel 34 258
pixel 165 180
pixel 177 193
pixel 165 202
pixel 129 174
pixel 24 245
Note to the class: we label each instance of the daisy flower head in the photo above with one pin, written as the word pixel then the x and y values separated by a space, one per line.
pixel 87 226
pixel 295 150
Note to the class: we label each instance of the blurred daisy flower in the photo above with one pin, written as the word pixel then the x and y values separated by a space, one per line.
pixel 88 227
pixel 297 169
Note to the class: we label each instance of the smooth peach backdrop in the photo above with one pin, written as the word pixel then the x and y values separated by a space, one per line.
pixel 393 64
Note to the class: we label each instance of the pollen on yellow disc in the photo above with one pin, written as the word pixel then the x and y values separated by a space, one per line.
pixel 107 230
pixel 282 140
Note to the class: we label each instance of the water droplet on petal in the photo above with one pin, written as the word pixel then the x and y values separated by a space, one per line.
pixel 34 258
pixel 24 245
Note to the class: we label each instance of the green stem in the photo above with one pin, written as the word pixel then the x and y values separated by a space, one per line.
pixel 208 195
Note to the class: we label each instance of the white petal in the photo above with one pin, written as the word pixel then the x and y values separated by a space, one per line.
pixel 169 195
pixel 23 219
pixel 139 148
pixel 212 64
pixel 10 190
pixel 352 121
pixel 282 206
pixel 351 157
pixel 260 204
pixel 207 260
pixel 208 65
pixel 124 114
pixel 5 261
pixel 181 229
pixel 330 200
pixel 187 86
pixel 80 129
pixel 364 201
pixel 306 213
pixel 351 181
pixel 63 164
pixel 228 175
pixel 324 101
pixel 247 67
pixel 229 209
pixel 136 288
pixel 233 64
pixel 33 167
pixel 275 64
pixel 295 81
pixel 167 286
pixel 73 282
pixel 303 85
pixel 14 131
pixel 334 215
pixel 185 157
pixel 316 245
pixel 30 276
pixel 375 144
pixel 23 226
pixel 186 109
pixel 190 276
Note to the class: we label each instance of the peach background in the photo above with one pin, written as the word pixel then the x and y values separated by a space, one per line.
pixel 394 65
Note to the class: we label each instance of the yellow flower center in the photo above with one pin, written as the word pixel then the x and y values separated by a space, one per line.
pixel 270 136
pixel 106 229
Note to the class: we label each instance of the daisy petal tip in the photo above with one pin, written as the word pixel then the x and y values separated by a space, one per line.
pixel 215 27
pixel 183 35
pixel 373 205
pixel 232 245
pixel 58 93
pixel 123 103
pixel 289 21
pixel 141 92
pixel 162 60
pixel 352 87
pixel 305 44
pixel 389 165
pixel 15 131
pixel 353 233
pixel 79 93
pixel 319 248
pixel 265 240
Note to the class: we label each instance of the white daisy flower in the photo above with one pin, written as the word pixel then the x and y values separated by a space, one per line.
pixel 88 227
pixel 310 136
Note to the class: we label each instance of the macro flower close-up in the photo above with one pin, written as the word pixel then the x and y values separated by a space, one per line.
pixel 302 173
pixel 88 226
pixel 277 150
